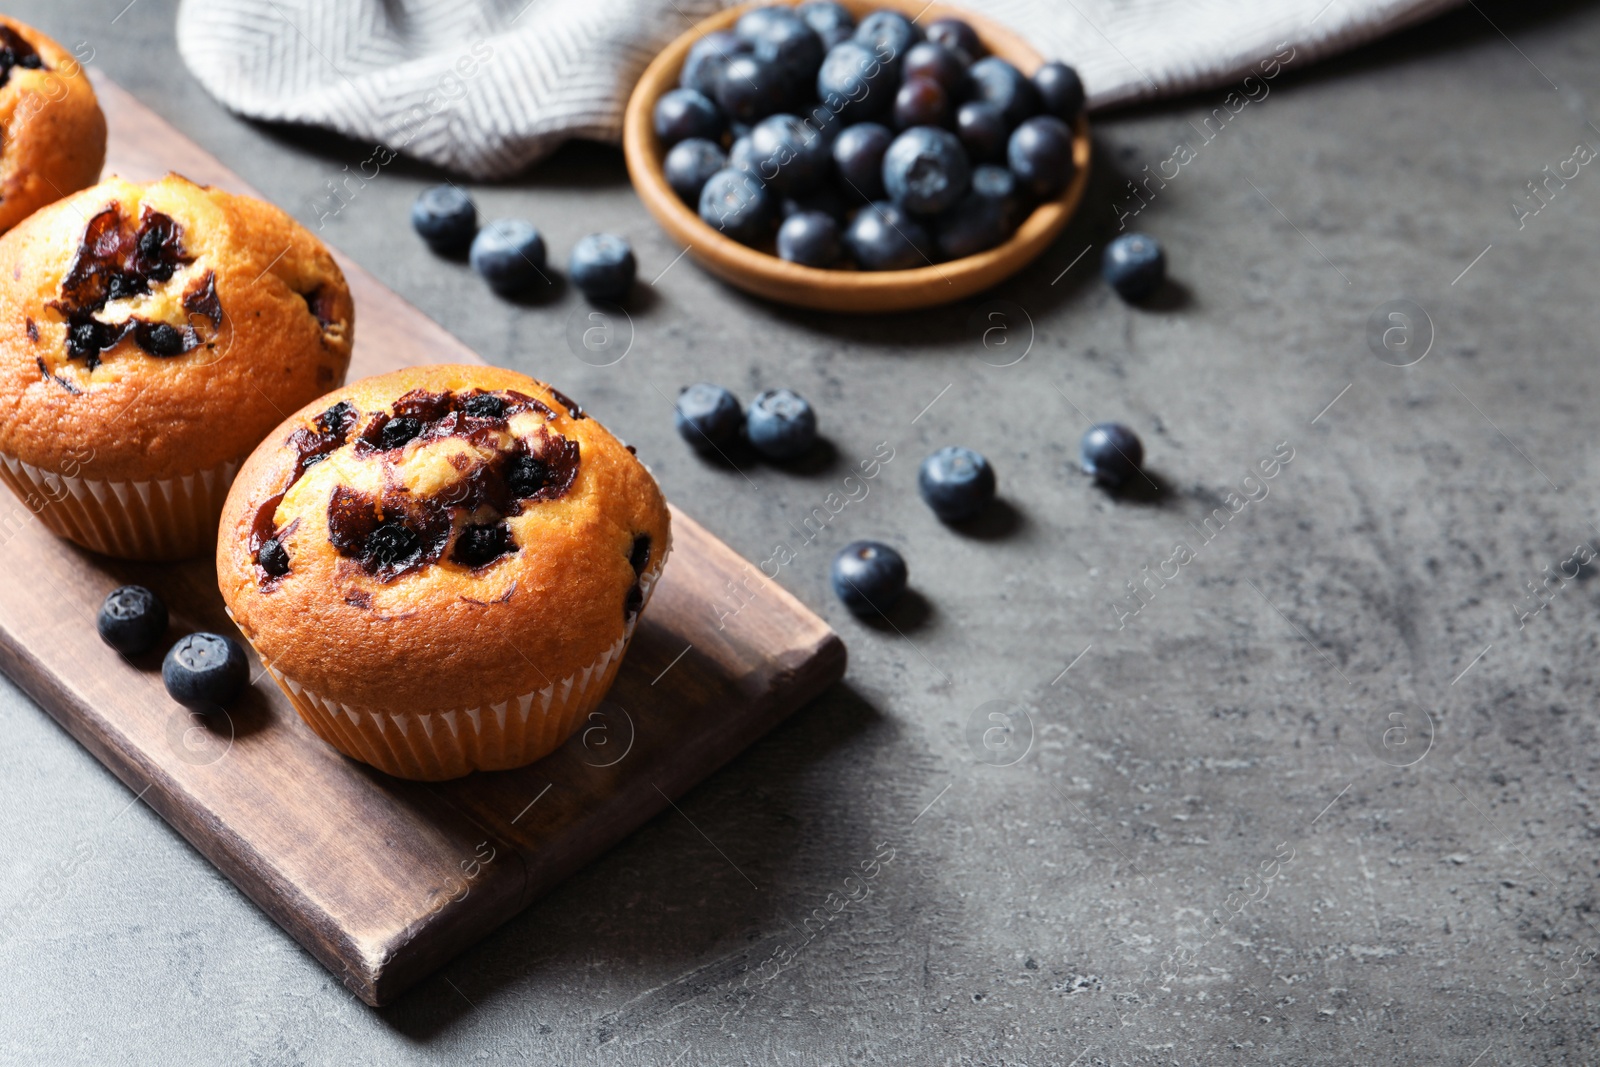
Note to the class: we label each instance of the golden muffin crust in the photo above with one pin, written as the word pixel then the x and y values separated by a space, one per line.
pixel 52 133
pixel 162 328
pixel 437 538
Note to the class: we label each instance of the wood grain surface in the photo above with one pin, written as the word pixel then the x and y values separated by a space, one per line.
pixel 384 880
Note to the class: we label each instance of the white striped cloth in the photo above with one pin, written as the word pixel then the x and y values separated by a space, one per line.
pixel 487 87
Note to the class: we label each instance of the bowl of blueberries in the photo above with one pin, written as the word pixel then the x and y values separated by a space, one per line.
pixel 858 155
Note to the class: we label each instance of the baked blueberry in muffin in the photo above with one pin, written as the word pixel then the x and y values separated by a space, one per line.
pixel 150 336
pixel 442 566
pixel 52 133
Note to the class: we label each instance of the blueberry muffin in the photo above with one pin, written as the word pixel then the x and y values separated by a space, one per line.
pixel 442 566
pixel 150 336
pixel 52 134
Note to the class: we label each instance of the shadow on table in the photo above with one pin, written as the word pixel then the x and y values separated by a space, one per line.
pixel 723 877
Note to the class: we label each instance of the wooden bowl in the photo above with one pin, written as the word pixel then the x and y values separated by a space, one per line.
pixel 838 290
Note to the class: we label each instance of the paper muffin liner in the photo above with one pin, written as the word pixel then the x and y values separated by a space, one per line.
pixel 435 745
pixel 156 519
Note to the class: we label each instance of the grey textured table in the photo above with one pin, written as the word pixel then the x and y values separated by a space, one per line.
pixel 1326 798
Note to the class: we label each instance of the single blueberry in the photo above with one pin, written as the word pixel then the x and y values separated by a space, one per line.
pixel 132 620
pixel 398 432
pixel 702 69
pixel 684 113
pixel 602 267
pixel 781 424
pixel 926 170
pixel 858 158
pixel 484 406
pixel 929 59
pixel 1134 265
pixel 999 83
pixel 921 102
pixel 481 544
pixel 983 131
pixel 750 88
pixel 742 156
pixel 787 42
pixel 957 36
pixel 868 576
pixel 1060 90
pixel 830 21
pixel 707 416
pixel 509 254
pixel 739 205
pixel 788 156
pixel 987 216
pixel 854 83
pixel 884 237
pixel 1040 154
pixel 273 558
pixel 889 35
pixel 526 475
pixel 1111 453
pixel 205 672
pixel 957 483
pixel 689 163
pixel 810 239
pixel 445 218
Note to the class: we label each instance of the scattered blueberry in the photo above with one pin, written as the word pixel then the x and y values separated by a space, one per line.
pixel 1040 154
pixel 509 254
pixel 956 36
pixel 602 267
pixel 1134 265
pixel 999 83
pixel 781 424
pixel 789 156
pixel 884 237
pixel 205 671
pixel 702 70
pixel 828 20
pixel 854 82
pixel 858 158
pixel 957 483
pixel 445 218
pixel 684 113
pixel 688 165
pixel 739 205
pixel 708 416
pixel 809 238
pixel 1060 90
pixel 921 102
pixel 132 620
pixel 1111 453
pixel 869 576
pixel 983 130
pixel 926 170
pixel 986 217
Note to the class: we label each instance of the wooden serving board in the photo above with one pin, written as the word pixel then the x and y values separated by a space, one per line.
pixel 384 880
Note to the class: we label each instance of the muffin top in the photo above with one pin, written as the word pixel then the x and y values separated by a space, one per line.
pixel 52 133
pixel 439 538
pixel 162 328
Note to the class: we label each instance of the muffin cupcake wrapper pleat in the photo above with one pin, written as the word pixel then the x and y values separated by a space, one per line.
pixel 156 519
pixel 436 745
